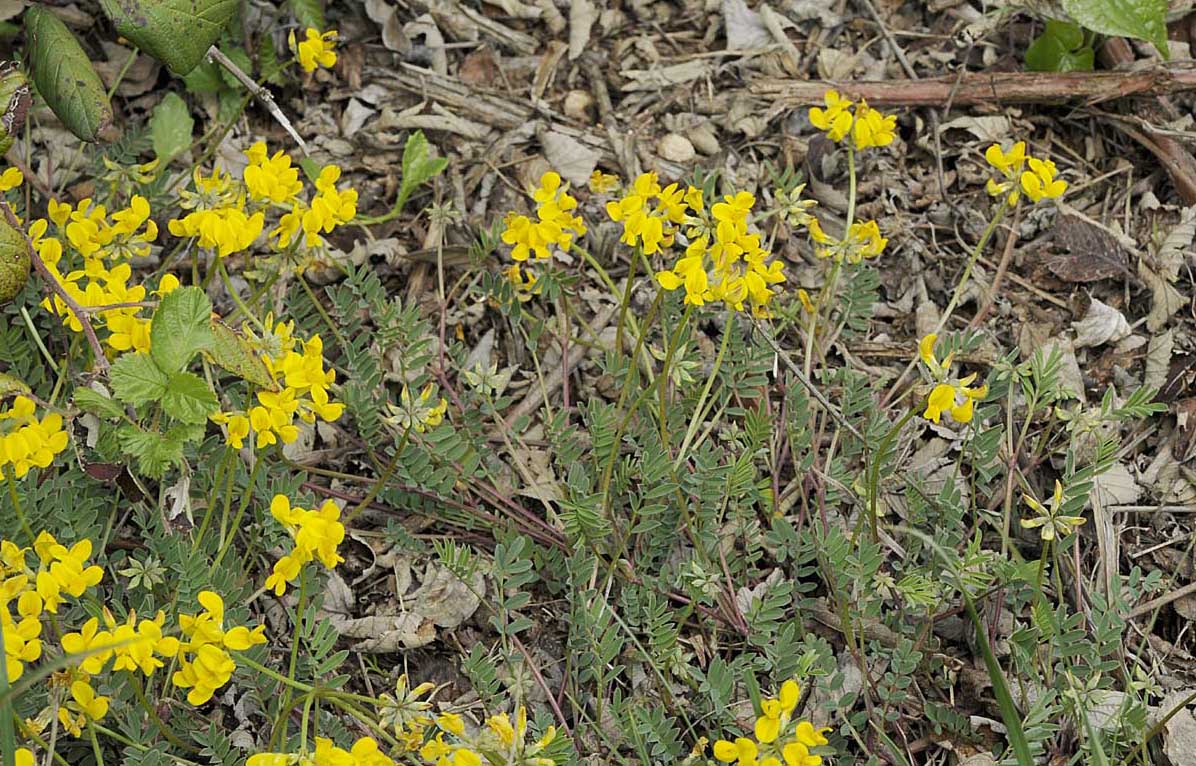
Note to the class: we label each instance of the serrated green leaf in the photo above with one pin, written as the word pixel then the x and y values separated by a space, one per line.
pixel 65 78
pixel 153 451
pixel 171 126
pixel 1143 19
pixel 204 79
pixel 181 328
pixel 309 13
pixel 176 32
pixel 188 398
pixel 230 351
pixel 137 380
pixel 90 400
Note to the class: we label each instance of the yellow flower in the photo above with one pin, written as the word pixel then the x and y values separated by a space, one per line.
pixel 317 50
pixel 11 179
pixel 871 128
pixel 554 225
pixel 956 396
pixel 1039 181
pixel 603 183
pixel 204 662
pixel 1051 520
pixel 85 706
pixel 1009 163
pixel 316 534
pixel 27 442
pixel 741 752
pixel 835 120
pixel 649 214
pixel 273 178
pixel 25 757
pixel 863 241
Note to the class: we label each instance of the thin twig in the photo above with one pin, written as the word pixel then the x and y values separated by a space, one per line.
pixel 54 286
pixel 261 94
pixel 805 381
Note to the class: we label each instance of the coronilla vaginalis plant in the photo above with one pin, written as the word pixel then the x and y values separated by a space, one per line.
pixel 214 428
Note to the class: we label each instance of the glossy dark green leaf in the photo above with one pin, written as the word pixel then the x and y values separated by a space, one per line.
pixel 65 78
pixel 176 32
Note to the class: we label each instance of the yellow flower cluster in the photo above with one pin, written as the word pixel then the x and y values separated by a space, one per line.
pixel 507 742
pixel 228 216
pixel 131 645
pixel 863 241
pixel 365 752
pixel 61 572
pixel 316 533
pixel 554 224
pixel 774 745
pixel 406 713
pixel 842 118
pixel 1050 520
pixel 316 50
pixel 723 261
pixel 1038 182
pixel 205 664
pixel 329 208
pixel 650 215
pixel 419 413
pixel 100 246
pixel 83 707
pixel 26 441
pixel 956 396
pixel 302 385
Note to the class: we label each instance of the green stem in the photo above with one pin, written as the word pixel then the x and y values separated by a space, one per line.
pixel 695 421
pixel 382 479
pixel 664 374
pixel 16 503
pixel 91 733
pixel 232 291
pixel 231 531
pixel 967 272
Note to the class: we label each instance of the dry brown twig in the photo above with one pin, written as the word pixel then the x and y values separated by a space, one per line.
pixel 986 88
pixel 55 287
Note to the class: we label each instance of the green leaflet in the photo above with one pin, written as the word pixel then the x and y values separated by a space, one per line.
pixel 65 78
pixel 170 127
pixel 14 262
pixel 1060 48
pixel 309 13
pixel 1143 19
pixel 230 351
pixel 176 32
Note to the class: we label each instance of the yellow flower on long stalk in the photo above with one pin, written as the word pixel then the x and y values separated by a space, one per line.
pixel 842 118
pixel 1051 521
pixel 316 50
pixel 775 743
pixel 956 396
pixel 1038 182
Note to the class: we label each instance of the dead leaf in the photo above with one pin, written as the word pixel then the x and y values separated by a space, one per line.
pixel 385 16
pixel 1085 252
pixel 1117 486
pixel 569 157
pixel 1179 732
pixel 666 76
pixel 990 129
pixel 354 116
pixel 445 599
pixel 432 51
pixel 582 15
pixel 1101 324
pixel 745 29
pixel 834 64
pixel 1166 300
pixel 1158 360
